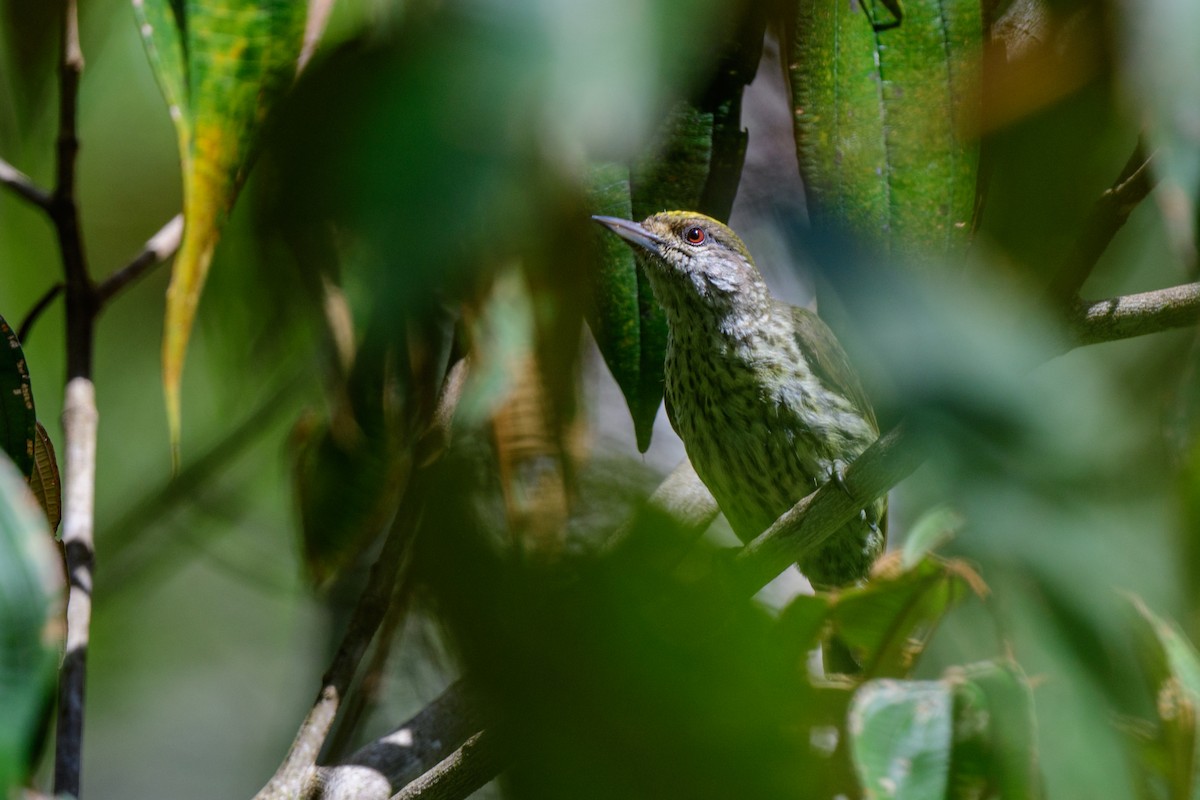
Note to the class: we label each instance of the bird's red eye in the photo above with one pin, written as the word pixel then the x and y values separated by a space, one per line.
pixel 694 235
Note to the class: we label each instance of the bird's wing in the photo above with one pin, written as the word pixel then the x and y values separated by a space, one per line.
pixel 828 360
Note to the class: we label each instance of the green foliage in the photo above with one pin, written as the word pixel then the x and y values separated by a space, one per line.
pixel 884 122
pixel 31 587
pixel 969 735
pixel 445 157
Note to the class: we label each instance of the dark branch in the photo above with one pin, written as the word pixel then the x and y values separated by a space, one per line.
pixel 23 185
pixel 1108 215
pixel 40 306
pixel 297 768
pixel 79 420
pixel 160 247
pixel 379 769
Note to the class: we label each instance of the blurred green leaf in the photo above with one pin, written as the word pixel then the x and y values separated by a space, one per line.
pixel 969 735
pixel 884 121
pixel 31 586
pixel 930 531
pixel 901 738
pixel 222 66
pixel 18 419
pixel 1161 73
pixel 995 737
pixel 1172 668
pixel 887 622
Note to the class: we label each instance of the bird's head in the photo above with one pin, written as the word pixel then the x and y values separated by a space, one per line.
pixel 690 258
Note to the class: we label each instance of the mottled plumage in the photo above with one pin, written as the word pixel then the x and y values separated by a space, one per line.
pixel 761 392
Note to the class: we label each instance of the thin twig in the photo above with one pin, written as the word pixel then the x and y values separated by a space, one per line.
pixel 298 766
pixel 457 777
pixel 159 247
pixel 23 185
pixel 384 766
pixel 1107 216
pixel 1136 314
pixel 41 305
pixel 365 695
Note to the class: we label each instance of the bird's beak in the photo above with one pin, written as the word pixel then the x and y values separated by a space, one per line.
pixel 632 232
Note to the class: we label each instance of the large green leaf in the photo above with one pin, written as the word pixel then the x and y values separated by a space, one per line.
pixel 629 325
pixel 901 738
pixel 887 622
pixel 222 65
pixel 18 420
pixel 31 585
pixel 884 120
pixel 995 744
pixel 968 736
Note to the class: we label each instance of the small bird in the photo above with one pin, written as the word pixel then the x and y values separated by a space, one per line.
pixel 760 392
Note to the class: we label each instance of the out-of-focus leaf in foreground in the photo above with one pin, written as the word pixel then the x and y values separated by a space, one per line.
pixel 31 587
pixel 1161 76
pixel 901 734
pixel 1172 670
pixel 674 687
pixel 969 735
pixel 222 66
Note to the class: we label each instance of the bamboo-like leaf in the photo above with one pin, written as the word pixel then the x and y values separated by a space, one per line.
pixel 18 419
pixel 884 120
pixel 222 65
pixel 31 586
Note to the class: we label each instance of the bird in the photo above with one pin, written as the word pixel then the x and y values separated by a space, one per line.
pixel 760 391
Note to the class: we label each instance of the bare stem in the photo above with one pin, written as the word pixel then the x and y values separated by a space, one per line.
pixel 160 247
pixel 79 423
pixel 38 308
pixel 384 766
pixel 80 419
pixel 299 765
pixel 23 185
pixel 1136 314
pixel 1107 216
pixel 463 772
